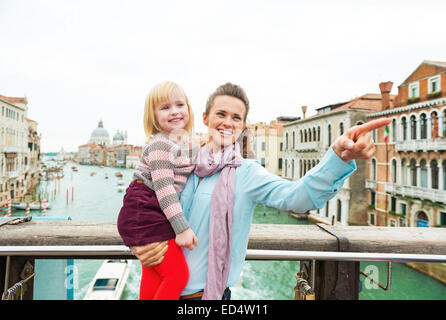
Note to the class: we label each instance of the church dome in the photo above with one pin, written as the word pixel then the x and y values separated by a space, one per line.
pixel 100 135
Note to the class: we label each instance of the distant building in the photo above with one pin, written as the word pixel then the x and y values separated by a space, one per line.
pixel 407 176
pixel 100 136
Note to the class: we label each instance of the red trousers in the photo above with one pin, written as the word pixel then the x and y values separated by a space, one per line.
pixel 167 280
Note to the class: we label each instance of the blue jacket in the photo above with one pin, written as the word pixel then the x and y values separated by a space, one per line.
pixel 254 185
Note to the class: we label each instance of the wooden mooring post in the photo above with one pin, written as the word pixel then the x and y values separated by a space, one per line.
pixel 332 279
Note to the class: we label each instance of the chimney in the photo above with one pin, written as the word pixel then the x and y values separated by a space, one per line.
pixel 304 109
pixel 385 88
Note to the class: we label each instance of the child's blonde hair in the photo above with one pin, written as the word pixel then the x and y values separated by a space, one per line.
pixel 159 93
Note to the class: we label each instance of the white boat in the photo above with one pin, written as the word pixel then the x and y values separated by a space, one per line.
pixel 32 205
pixel 121 188
pixel 109 281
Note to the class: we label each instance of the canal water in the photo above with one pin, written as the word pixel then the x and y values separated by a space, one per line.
pixel 96 198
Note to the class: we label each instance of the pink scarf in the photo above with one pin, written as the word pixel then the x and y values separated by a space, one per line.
pixel 221 215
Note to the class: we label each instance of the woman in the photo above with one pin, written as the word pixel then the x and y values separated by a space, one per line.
pixel 233 189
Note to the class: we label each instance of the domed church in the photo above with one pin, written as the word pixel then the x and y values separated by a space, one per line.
pixel 100 136
pixel 120 138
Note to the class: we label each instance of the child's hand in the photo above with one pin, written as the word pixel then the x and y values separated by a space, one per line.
pixel 187 239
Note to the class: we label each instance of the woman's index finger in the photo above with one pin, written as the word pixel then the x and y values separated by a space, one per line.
pixel 370 126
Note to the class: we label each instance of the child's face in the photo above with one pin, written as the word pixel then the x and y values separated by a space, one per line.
pixel 173 114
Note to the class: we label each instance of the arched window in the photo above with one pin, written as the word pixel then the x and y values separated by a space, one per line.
pixel 314 164
pixel 294 140
pixel 305 167
pixel 434 174
pixel 413 172
pixel 443 164
pixel 393 130
pixel 309 135
pixel 444 123
pixel 404 127
pixel 314 134
pixel 404 172
pixel 339 211
pixel 393 170
pixel 286 168
pixel 329 135
pixel 423 125
pixel 341 129
pixel 327 208
pixel 413 127
pixel 301 137
pixel 286 143
pixel 305 135
pixel 373 173
pixel 318 133
pixel 434 124
pixel 423 173
pixel 301 168
pixel 292 169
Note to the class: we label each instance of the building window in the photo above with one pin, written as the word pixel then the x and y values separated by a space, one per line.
pixel 292 169
pixel 329 135
pixel 286 141
pixel 341 129
pixel 305 135
pixel 402 222
pixel 414 90
pixel 404 127
pixel 443 164
pixel 339 211
pixel 301 137
pixel 423 172
pixel 393 170
pixel 286 167
pixel 434 174
pixel 403 172
pixel 263 146
pixel 280 163
pixel 281 146
pixel 372 198
pixel 413 128
pixel 372 219
pixel 423 124
pixel 434 84
pixel 443 218
pixel 393 204
pixel 262 162
pixel 434 124
pixel 327 208
pixel 373 173
pixel 394 130
pixel 301 169
pixel 319 132
pixel 403 209
pixel 314 134
pixel 294 140
pixel 444 123
pixel 413 172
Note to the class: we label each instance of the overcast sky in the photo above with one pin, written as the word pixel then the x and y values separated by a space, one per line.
pixel 79 62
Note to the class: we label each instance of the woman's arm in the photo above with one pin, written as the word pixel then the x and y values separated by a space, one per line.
pixel 319 185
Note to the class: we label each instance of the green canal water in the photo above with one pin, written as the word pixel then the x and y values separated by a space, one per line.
pixel 95 198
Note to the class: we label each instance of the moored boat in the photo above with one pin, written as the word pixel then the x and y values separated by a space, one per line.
pixel 109 281
pixel 32 205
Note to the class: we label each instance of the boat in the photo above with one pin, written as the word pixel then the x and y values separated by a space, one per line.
pixel 74 168
pixel 92 173
pixel 118 174
pixel 32 205
pixel 121 188
pixel 109 281
pixel 120 182
pixel 106 176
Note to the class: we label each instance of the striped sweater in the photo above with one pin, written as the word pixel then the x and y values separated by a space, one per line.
pixel 164 167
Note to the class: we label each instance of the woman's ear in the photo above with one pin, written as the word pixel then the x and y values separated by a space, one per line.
pixel 205 119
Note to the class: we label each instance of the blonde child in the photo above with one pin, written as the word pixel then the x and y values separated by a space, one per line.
pixel 151 210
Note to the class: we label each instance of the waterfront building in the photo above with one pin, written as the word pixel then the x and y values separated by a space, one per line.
pixel 132 160
pixel 305 142
pixel 19 150
pixel 407 177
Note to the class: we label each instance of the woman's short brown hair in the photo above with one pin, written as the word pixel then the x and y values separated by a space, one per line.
pixel 232 90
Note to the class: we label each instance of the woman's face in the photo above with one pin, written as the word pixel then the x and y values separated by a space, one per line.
pixel 225 120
